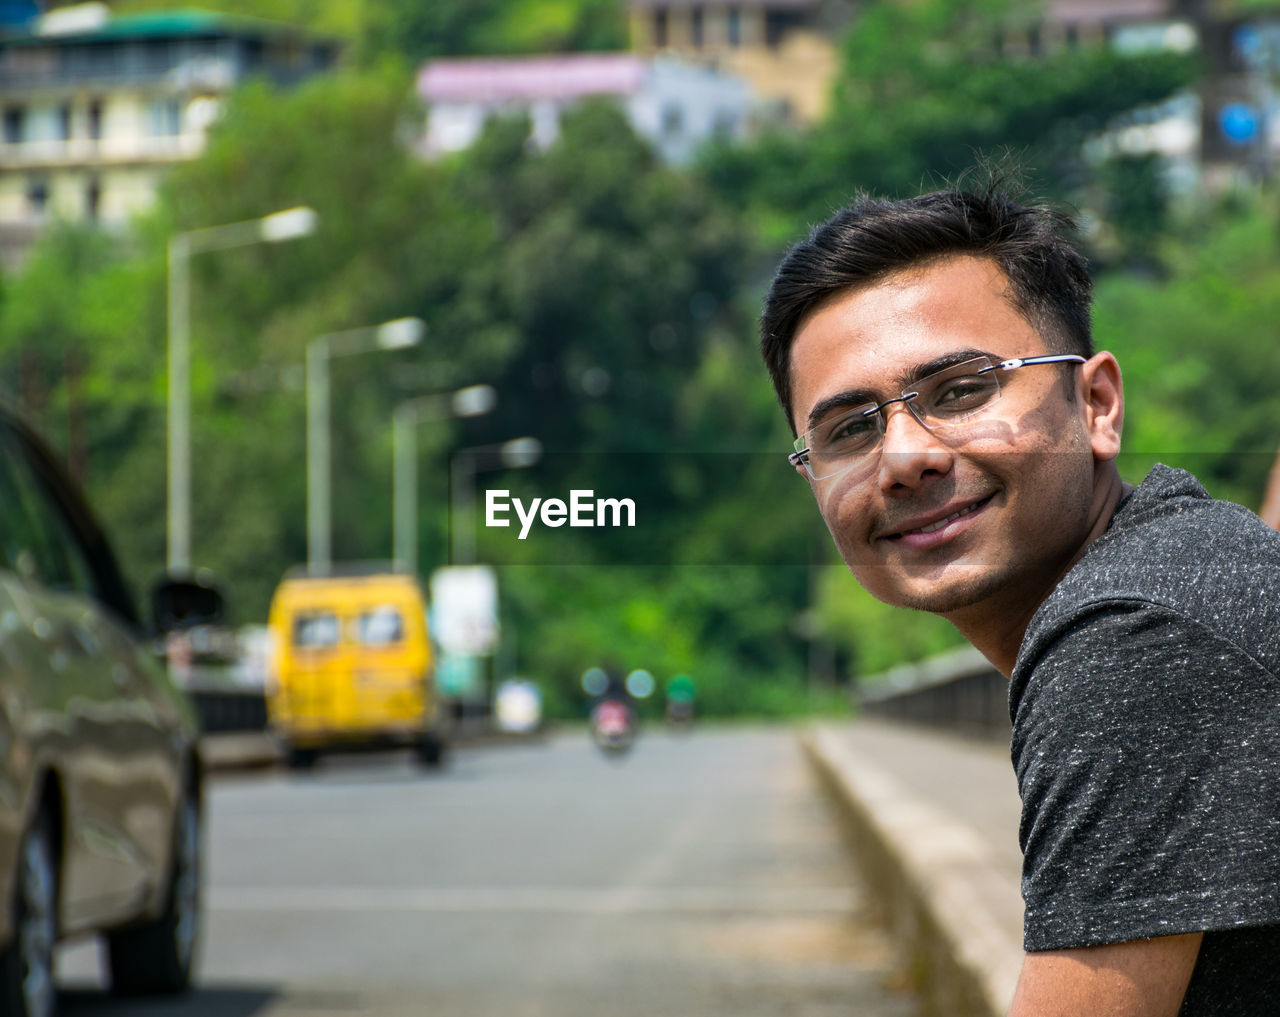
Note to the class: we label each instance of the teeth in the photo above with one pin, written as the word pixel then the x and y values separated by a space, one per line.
pixel 933 527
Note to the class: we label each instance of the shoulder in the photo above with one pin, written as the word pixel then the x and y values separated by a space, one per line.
pixel 1146 727
pixel 1202 566
pixel 1147 751
pixel 1137 672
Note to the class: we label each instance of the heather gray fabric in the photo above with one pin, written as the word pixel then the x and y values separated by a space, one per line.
pixel 1146 739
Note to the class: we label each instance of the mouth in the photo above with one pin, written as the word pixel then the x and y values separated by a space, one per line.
pixel 943 528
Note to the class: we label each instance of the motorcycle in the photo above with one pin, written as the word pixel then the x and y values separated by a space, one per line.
pixel 679 714
pixel 613 726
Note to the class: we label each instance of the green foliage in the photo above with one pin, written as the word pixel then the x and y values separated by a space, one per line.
pixel 922 92
pixel 728 627
pixel 1136 208
pixel 333 17
pixel 489 27
pixel 1197 347
pixel 81 350
pixel 415 30
pixel 875 635
pixel 611 268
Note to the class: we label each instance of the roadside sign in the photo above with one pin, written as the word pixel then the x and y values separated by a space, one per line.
pixel 464 609
pixel 459 676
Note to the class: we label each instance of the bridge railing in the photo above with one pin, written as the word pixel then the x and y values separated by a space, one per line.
pixel 958 690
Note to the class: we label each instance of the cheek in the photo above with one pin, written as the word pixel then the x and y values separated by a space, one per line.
pixel 842 505
pixel 845 513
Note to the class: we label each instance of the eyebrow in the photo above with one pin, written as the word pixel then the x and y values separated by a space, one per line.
pixel 866 396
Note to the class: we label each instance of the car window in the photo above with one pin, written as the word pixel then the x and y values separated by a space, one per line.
pixel 35 536
pixel 380 626
pixel 315 629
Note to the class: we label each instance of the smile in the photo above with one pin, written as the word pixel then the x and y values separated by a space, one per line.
pixel 933 527
pixel 915 536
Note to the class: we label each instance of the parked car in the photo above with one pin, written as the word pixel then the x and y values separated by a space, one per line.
pixel 100 806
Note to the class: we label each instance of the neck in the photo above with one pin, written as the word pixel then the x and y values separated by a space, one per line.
pixel 997 629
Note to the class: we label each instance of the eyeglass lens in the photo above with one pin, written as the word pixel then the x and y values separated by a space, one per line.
pixel 937 400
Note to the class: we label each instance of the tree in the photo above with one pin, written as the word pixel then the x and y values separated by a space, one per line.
pixel 420 31
pixel 923 89
pixel 80 336
pixel 1198 352
pixel 636 368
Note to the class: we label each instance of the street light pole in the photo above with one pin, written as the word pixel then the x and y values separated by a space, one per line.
pixel 178 533
pixel 515 454
pixel 390 335
pixel 319 525
pixel 286 225
pixel 472 401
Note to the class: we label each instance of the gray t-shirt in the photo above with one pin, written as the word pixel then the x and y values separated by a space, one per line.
pixel 1146 739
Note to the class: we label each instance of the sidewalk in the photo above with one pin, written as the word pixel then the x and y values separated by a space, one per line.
pixel 934 818
pixel 238 750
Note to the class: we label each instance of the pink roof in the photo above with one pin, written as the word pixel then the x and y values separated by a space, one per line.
pixel 1109 10
pixel 530 78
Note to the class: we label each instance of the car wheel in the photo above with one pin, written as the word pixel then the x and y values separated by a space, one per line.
pixel 26 967
pixel 430 750
pixel 300 759
pixel 158 957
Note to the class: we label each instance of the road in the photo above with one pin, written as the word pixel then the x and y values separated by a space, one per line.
pixel 699 876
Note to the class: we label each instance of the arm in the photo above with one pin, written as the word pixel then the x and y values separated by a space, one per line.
pixel 1270 511
pixel 1144 978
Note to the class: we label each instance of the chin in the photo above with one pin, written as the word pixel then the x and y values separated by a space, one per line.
pixel 940 597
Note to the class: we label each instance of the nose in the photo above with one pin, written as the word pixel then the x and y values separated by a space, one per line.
pixel 912 453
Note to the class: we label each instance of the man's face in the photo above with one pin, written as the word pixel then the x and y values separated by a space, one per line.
pixel 1021 474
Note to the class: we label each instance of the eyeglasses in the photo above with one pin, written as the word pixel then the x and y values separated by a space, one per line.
pixel 851 436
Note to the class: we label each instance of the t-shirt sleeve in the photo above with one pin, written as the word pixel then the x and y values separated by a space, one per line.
pixel 1147 750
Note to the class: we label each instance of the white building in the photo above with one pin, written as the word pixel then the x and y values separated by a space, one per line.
pixel 95 108
pixel 676 104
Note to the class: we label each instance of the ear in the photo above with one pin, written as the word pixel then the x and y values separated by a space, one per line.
pixel 1102 403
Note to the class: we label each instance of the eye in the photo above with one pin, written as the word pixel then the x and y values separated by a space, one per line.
pixel 849 430
pixel 959 395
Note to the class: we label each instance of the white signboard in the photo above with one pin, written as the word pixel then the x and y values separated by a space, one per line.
pixel 464 609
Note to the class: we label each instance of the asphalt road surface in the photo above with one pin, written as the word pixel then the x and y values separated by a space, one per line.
pixel 700 876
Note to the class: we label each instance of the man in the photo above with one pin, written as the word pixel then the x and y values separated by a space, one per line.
pixel 960 435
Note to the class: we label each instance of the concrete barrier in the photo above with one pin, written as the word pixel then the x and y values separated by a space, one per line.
pixel 955 915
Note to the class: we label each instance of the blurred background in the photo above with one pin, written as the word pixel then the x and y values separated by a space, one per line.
pixel 577 204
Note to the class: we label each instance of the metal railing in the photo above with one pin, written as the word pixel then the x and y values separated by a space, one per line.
pixel 958 690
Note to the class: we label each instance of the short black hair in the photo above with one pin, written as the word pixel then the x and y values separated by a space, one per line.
pixel 875 237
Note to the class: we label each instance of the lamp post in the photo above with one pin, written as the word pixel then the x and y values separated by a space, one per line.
pixel 390 335
pixel 472 401
pixel 286 225
pixel 516 454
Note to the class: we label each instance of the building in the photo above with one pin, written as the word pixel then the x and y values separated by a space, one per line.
pixel 94 108
pixel 674 103
pixel 784 48
pixel 1214 137
pixel 1082 22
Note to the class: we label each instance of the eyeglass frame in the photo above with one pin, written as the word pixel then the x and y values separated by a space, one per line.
pixel 798 458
